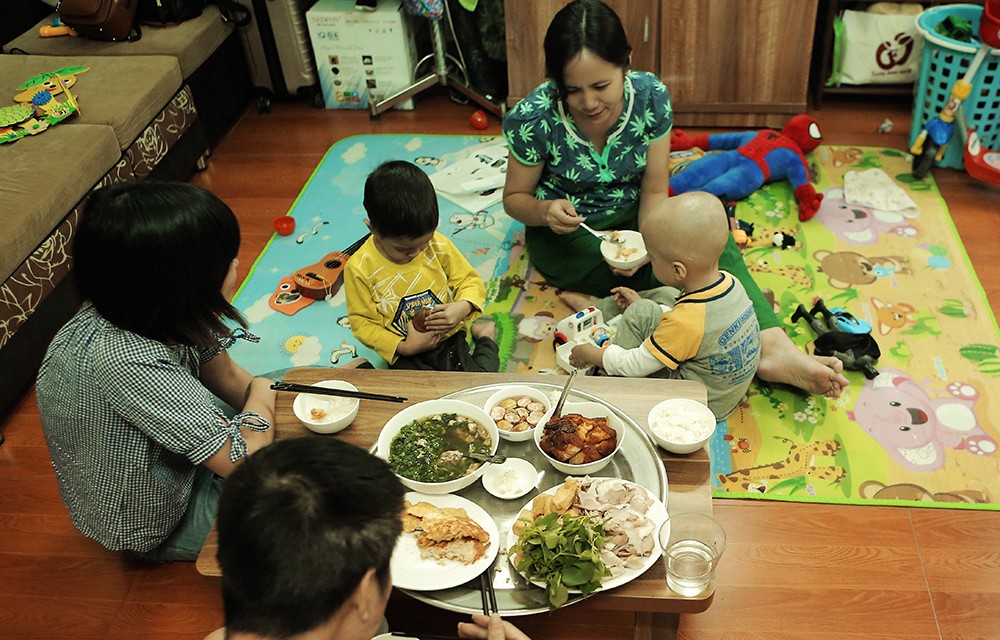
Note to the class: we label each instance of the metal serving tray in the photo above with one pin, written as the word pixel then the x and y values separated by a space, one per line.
pixel 638 460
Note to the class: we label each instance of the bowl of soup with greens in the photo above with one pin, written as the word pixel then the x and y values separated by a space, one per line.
pixel 427 444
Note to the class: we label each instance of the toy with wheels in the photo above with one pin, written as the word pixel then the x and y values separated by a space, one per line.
pixel 931 143
pixel 582 327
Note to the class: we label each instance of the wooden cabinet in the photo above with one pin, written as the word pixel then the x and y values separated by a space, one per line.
pixel 527 21
pixel 736 63
pixel 727 63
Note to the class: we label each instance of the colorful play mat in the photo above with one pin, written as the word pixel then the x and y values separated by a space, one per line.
pixel 881 252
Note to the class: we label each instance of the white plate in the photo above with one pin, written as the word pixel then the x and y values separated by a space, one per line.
pixel 657 513
pixel 410 571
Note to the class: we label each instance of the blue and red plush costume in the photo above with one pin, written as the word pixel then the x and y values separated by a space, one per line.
pixel 749 160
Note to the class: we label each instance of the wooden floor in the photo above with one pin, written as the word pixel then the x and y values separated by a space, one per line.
pixel 791 571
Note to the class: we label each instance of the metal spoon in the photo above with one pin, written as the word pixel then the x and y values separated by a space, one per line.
pixel 565 392
pixel 605 236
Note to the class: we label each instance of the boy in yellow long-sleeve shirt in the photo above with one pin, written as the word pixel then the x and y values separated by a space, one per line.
pixel 411 295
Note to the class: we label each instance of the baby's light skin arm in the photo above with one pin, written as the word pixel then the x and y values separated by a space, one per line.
pixel 586 354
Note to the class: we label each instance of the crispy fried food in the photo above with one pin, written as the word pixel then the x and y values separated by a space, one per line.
pixel 445 533
pixel 576 439
pixel 544 504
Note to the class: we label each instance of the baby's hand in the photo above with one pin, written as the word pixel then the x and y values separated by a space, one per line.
pixel 625 296
pixel 583 355
pixel 445 317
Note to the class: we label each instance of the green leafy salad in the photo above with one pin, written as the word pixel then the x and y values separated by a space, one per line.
pixel 564 551
pixel 433 449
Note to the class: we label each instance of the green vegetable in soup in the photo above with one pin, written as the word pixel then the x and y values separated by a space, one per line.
pixel 433 449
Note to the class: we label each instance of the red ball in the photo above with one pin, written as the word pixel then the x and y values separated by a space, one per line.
pixel 478 119
pixel 284 225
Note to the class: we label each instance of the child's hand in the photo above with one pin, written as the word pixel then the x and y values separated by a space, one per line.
pixel 417 341
pixel 586 354
pixel 625 296
pixel 445 317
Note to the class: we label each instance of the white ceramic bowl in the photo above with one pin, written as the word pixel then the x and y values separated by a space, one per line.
pixel 517 391
pixel 680 425
pixel 612 251
pixel 339 412
pixel 430 408
pixel 588 410
pixel 512 479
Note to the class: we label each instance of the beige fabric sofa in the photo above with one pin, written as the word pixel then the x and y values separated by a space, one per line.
pixel 148 110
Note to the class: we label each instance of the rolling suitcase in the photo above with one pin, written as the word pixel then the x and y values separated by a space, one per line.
pixel 276 42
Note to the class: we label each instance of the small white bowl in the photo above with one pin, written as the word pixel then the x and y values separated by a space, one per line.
pixel 340 412
pixel 517 391
pixel 684 433
pixel 512 479
pixel 430 408
pixel 612 251
pixel 587 410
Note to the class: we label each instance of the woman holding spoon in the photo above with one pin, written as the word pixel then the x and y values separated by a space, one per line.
pixel 592 144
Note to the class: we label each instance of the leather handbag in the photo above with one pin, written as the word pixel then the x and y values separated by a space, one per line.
pixel 169 11
pixel 101 19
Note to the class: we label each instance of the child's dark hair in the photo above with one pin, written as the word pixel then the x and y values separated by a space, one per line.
pixel 400 201
pixel 584 24
pixel 152 258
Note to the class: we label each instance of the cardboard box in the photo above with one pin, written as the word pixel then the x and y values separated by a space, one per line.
pixel 361 56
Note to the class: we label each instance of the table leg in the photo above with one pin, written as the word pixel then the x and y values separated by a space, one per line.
pixel 656 626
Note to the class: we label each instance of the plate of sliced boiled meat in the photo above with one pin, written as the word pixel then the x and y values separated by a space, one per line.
pixel 447 540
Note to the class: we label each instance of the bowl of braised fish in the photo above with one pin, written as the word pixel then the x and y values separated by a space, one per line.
pixel 582 440
pixel 429 444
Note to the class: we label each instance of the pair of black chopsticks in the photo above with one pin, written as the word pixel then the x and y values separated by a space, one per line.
pixel 324 391
pixel 487 592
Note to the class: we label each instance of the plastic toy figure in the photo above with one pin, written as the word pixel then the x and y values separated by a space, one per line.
pixel 750 159
pixel 841 335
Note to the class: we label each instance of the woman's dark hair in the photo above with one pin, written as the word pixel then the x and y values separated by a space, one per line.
pixel 152 258
pixel 584 24
pixel 300 524
pixel 400 200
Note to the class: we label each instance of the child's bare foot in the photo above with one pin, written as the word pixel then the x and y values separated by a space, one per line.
pixel 782 361
pixel 576 301
pixel 484 328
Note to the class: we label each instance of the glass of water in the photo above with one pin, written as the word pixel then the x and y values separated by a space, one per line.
pixel 692 544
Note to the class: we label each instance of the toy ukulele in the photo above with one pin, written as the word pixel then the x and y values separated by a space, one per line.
pixel 317 281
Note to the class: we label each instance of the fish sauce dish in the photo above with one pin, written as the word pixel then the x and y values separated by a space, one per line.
pixel 429 444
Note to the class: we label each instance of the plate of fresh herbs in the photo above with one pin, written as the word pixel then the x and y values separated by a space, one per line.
pixel 586 534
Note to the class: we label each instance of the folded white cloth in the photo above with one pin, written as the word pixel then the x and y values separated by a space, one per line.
pixel 874 188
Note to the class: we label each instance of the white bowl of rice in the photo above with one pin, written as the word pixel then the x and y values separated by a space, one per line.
pixel 628 253
pixel 326 414
pixel 681 425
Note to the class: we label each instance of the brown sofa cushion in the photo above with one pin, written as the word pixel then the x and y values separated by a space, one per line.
pixel 123 92
pixel 191 42
pixel 43 177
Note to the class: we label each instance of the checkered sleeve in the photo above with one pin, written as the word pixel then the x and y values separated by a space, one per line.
pixel 156 389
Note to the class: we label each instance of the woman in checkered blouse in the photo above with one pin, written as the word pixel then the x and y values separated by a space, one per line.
pixel 129 389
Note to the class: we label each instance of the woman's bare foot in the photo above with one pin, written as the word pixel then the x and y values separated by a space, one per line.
pixel 576 301
pixel 484 328
pixel 782 361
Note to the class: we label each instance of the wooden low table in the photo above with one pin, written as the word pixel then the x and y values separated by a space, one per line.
pixel 688 476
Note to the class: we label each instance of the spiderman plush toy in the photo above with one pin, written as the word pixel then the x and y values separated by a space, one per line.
pixel 749 160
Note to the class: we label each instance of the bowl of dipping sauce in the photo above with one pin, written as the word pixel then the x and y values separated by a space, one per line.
pixel 681 425
pixel 326 414
pixel 512 479
pixel 628 254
